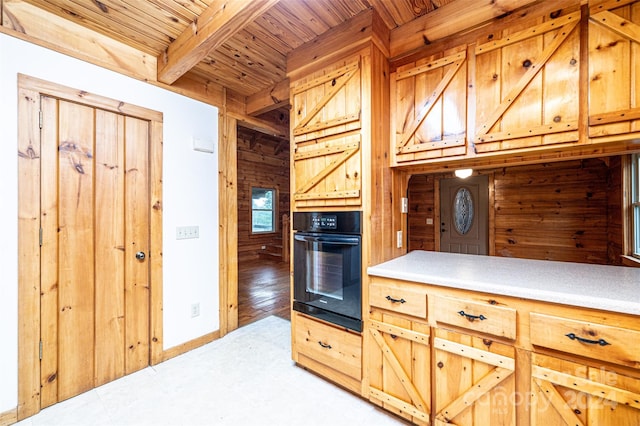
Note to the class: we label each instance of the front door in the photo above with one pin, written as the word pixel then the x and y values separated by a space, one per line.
pixel 464 212
pixel 95 242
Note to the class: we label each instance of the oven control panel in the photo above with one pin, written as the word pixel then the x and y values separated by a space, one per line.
pixel 324 222
pixel 339 222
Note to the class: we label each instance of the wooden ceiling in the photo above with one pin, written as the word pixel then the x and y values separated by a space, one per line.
pixel 246 55
pixel 241 46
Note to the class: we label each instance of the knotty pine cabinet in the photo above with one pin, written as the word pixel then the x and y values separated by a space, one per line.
pixel 614 69
pixel 339 89
pixel 556 83
pixel 331 351
pixel 399 362
pixel 452 356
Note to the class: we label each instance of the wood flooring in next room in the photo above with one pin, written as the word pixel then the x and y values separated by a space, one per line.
pixel 263 290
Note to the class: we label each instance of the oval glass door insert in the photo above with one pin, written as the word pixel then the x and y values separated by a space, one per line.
pixel 463 211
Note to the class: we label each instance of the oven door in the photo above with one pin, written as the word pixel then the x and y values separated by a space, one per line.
pixel 327 277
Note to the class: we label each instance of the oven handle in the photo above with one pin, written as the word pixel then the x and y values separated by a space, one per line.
pixel 352 241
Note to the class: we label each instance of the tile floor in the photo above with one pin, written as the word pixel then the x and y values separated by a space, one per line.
pixel 245 378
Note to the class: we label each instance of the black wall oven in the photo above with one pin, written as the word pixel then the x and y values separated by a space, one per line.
pixel 327 266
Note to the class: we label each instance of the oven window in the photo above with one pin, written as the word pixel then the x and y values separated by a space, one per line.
pixel 324 273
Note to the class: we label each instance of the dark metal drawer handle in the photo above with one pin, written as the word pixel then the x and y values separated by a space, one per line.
pixel 324 345
pixel 472 318
pixel 392 300
pixel 600 342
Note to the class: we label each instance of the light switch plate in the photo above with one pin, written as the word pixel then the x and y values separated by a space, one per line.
pixel 399 239
pixel 405 205
pixel 187 232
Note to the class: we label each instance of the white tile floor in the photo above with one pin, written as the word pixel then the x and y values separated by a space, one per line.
pixel 245 378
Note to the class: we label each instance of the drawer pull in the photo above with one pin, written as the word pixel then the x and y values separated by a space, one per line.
pixel 472 318
pixel 600 342
pixel 324 345
pixel 392 300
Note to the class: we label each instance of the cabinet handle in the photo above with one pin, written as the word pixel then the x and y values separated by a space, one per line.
pixel 324 345
pixel 392 300
pixel 472 317
pixel 600 342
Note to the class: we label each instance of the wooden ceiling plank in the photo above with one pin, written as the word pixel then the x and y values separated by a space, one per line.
pixel 89 18
pixel 219 22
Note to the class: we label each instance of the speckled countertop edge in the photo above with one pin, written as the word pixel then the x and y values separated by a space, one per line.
pixel 609 288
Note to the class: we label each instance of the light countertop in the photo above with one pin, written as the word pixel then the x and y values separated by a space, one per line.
pixel 609 288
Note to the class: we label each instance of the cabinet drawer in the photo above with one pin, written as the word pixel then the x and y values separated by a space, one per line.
pixel 479 316
pixel 334 347
pixel 603 342
pixel 402 299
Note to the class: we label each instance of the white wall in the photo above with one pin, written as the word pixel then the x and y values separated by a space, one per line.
pixel 190 195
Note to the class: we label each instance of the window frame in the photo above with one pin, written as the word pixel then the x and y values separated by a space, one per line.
pixel 273 210
pixel 634 206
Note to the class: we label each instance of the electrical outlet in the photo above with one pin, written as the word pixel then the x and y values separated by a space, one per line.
pixel 429 221
pixel 195 310
pixel 399 239
pixel 187 232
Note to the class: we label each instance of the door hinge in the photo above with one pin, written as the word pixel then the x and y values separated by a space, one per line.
pixel 40 119
pixel 40 237
pixel 40 350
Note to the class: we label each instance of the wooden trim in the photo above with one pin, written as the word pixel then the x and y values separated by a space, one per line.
pixel 475 392
pixel 398 403
pixel 29 91
pixel 9 417
pixel 545 129
pixel 228 222
pixel 190 345
pixel 557 401
pixel 579 384
pixel 614 117
pixel 618 25
pixel 491 358
pixel 528 33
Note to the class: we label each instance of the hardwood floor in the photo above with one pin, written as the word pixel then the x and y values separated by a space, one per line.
pixel 263 290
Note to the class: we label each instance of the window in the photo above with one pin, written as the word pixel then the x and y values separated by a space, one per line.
pixel 263 210
pixel 635 205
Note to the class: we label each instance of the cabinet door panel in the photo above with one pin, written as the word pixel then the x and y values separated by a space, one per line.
pixel 526 86
pixel 400 367
pixel 326 121
pixel 614 49
pixel 429 106
pixel 568 393
pixel 475 380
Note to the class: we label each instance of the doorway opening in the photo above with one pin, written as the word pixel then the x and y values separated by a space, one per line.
pixel 263 226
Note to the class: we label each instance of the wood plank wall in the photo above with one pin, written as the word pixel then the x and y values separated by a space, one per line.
pixel 263 161
pixel 565 211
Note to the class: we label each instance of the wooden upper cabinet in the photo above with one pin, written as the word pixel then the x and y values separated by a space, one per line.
pixel 614 68
pixel 326 122
pixel 527 85
pixel 429 107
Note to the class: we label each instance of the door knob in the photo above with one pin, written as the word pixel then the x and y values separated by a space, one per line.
pixel 140 255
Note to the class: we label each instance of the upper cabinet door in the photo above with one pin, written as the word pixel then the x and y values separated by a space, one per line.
pixel 429 107
pixel 527 85
pixel 614 68
pixel 326 133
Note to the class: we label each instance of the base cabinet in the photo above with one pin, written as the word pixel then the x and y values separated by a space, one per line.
pixel 399 370
pixel 569 393
pixel 330 351
pixel 444 356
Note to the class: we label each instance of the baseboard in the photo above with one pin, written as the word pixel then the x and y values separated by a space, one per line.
pixel 9 417
pixel 188 346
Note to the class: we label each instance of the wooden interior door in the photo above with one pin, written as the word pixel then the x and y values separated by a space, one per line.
pixel 464 215
pixel 95 306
